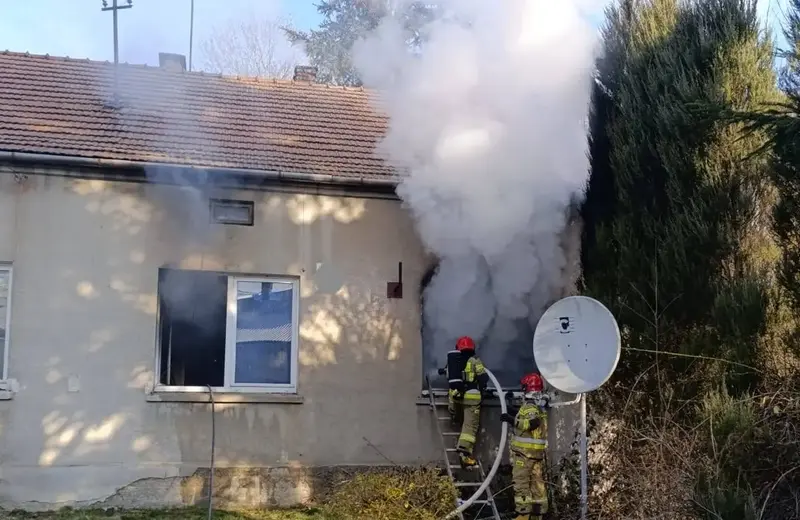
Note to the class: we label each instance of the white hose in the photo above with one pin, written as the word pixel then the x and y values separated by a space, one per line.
pixel 500 451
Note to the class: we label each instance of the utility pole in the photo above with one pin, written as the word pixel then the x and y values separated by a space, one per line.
pixel 191 34
pixel 114 8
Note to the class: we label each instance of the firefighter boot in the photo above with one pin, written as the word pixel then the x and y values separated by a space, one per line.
pixel 468 462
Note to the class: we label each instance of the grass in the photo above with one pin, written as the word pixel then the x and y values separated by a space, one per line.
pixel 169 514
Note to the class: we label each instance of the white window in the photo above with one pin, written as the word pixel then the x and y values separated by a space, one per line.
pixel 234 333
pixel 5 317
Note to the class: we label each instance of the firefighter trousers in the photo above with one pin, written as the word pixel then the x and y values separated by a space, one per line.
pixel 468 406
pixel 530 490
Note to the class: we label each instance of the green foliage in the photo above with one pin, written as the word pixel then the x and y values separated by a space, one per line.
pixel 344 22
pixel 688 228
pixel 402 494
pixel 718 500
pixel 781 124
pixel 677 236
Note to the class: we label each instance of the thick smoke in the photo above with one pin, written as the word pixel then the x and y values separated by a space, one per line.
pixel 488 117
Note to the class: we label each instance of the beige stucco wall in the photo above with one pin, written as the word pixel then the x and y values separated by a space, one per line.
pixel 85 255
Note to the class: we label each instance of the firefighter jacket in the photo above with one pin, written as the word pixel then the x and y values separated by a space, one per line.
pixel 475 377
pixel 465 372
pixel 529 437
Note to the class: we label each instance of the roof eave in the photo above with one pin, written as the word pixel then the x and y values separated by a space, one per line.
pixel 32 158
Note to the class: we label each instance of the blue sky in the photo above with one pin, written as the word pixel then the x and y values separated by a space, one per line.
pixel 78 28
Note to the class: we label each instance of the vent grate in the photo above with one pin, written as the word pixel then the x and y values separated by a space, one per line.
pixel 232 212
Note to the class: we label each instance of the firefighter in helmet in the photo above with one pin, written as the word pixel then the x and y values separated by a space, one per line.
pixel 528 447
pixel 467 380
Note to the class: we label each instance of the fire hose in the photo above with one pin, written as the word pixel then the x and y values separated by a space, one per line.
pixel 498 458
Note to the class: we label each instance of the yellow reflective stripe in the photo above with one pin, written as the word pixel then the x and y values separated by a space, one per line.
pixel 528 443
pixel 466 437
pixel 534 447
pixel 472 395
pixel 529 440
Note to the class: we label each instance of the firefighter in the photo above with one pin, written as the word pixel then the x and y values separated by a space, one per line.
pixel 528 449
pixel 467 380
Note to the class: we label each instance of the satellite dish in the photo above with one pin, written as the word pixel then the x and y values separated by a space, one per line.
pixel 577 344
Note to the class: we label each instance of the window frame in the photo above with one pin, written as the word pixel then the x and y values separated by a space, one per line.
pixel 214 203
pixel 229 385
pixel 9 268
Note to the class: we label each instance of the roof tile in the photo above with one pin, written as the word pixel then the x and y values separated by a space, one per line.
pixel 61 106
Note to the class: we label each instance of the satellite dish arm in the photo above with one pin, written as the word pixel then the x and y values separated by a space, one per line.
pixel 566 403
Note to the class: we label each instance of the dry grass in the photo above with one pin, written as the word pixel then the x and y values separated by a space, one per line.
pixel 401 494
pixel 720 458
pixel 167 514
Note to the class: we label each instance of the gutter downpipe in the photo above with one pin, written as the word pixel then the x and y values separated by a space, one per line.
pixel 315 178
pixel 500 451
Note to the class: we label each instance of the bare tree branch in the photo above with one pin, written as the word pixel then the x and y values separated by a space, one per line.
pixel 255 47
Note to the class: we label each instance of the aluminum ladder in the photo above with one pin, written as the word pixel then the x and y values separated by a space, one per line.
pixel 449 440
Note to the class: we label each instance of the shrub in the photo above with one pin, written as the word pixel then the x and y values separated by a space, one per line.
pixel 407 494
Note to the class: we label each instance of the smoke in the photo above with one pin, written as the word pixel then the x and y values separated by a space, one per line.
pixel 167 102
pixel 488 119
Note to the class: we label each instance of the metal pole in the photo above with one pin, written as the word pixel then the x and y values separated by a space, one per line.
pixel 191 35
pixel 116 53
pixel 213 442
pixel 116 46
pixel 169 355
pixel 584 462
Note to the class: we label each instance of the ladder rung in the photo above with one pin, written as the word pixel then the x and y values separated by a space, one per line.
pixel 481 502
pixel 455 466
pixel 451 434
pixel 451 450
pixel 444 417
pixel 468 484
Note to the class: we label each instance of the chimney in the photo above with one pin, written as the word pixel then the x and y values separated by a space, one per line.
pixel 171 61
pixel 305 73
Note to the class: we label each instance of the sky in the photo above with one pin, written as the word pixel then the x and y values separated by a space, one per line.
pixel 79 29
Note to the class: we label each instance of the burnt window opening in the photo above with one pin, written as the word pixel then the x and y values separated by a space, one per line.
pixel 192 332
pixel 508 363
pixel 232 332
pixel 430 354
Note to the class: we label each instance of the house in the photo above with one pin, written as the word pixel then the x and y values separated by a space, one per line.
pixel 164 234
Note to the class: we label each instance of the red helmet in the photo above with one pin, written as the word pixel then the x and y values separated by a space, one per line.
pixel 465 343
pixel 532 382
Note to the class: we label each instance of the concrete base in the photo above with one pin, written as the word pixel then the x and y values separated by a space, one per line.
pixel 233 488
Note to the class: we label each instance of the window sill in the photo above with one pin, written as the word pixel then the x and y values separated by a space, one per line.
pixel 222 396
pixel 492 402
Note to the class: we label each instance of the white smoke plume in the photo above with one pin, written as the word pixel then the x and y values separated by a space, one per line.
pixel 489 120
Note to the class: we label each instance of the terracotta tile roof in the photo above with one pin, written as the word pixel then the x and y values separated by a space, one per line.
pixel 60 106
